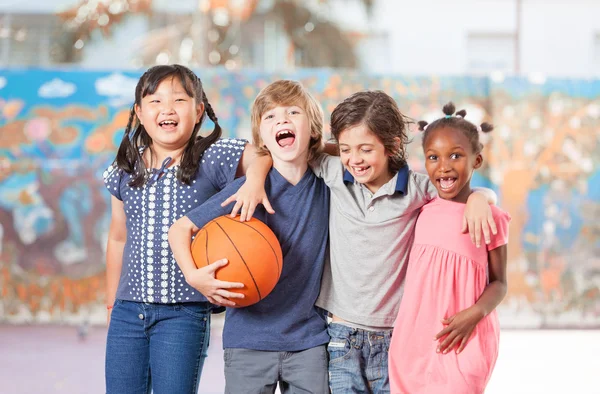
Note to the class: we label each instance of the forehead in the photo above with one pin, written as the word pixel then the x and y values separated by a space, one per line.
pixel 358 134
pixel 447 137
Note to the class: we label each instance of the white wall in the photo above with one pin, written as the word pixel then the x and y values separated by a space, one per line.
pixel 431 36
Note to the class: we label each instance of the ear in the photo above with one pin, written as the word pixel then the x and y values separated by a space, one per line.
pixel 138 113
pixel 478 161
pixel 199 111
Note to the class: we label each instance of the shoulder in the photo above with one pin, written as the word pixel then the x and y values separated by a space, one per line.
pixel 500 214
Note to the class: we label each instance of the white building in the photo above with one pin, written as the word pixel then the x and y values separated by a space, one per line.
pixel 559 38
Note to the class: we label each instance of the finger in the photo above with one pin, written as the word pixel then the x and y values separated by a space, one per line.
pixel 442 333
pixel 454 343
pixel 229 200
pixel 447 320
pixel 229 294
pixel 477 233
pixel 465 225
pixel 243 213
pixel 213 267
pixel 267 205
pixel 492 224
pixel 250 212
pixel 463 343
pixel 222 301
pixel 471 230
pixel 486 232
pixel 444 345
pixel 236 208
pixel 228 285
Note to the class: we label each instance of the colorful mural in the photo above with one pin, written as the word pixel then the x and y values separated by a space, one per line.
pixel 59 129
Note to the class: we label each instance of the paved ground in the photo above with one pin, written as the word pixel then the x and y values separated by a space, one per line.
pixel 52 359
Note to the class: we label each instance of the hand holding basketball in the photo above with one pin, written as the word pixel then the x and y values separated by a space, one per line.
pixel 203 279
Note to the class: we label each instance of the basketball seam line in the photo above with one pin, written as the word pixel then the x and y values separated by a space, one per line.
pixel 243 261
pixel 268 243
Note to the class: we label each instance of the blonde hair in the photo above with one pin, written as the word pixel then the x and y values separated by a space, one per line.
pixel 288 93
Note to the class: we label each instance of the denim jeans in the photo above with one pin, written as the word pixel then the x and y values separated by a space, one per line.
pixel 358 360
pixel 156 347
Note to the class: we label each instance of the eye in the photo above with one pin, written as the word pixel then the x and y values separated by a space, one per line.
pixel 181 99
pixel 366 150
pixel 270 116
pixel 294 112
pixel 432 157
pixel 455 156
pixel 155 101
pixel 344 151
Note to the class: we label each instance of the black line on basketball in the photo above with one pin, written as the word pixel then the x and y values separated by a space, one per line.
pixel 243 261
pixel 268 243
pixel 206 248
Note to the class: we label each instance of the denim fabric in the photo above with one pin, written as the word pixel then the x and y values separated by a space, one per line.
pixel 358 360
pixel 156 347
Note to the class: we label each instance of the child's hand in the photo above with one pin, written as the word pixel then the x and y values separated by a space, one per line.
pixel 478 217
pixel 203 279
pixel 247 198
pixel 458 329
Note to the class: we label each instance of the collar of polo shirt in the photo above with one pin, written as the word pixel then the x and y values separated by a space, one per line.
pixel 401 183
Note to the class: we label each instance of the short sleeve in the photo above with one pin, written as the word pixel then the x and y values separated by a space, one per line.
pixel 212 208
pixel 327 167
pixel 502 220
pixel 220 161
pixel 113 177
pixel 424 186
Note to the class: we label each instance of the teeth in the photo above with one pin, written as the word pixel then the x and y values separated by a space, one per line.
pixel 171 122
pixel 284 134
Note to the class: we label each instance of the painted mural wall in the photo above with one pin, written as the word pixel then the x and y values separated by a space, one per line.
pixel 59 129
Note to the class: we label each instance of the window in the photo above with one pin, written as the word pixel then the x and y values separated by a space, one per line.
pixel 489 52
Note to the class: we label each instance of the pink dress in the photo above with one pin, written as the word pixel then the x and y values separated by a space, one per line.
pixel 446 274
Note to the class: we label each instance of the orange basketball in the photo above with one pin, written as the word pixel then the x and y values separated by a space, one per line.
pixel 253 252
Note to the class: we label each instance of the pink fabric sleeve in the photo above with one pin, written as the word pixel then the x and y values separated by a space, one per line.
pixel 502 220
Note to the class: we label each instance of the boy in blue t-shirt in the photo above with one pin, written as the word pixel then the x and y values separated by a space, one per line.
pixel 282 338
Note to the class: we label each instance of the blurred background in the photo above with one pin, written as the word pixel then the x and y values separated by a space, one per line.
pixel 68 70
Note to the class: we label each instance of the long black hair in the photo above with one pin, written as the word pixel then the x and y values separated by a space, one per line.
pixel 129 156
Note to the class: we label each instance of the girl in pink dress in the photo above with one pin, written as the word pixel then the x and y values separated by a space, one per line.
pixel 446 335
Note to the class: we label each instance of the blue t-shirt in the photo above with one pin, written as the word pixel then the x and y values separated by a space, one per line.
pixel 286 319
pixel 149 272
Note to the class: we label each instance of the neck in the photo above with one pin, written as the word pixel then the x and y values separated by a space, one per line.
pixel 160 153
pixel 292 172
pixel 374 187
pixel 462 195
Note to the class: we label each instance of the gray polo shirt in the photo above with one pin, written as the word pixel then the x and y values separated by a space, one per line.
pixel 370 241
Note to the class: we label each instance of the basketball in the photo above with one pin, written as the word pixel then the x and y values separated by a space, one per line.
pixel 253 252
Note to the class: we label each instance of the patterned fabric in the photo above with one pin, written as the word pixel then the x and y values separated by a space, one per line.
pixel 150 273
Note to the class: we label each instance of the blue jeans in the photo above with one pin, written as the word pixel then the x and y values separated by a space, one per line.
pixel 156 347
pixel 358 360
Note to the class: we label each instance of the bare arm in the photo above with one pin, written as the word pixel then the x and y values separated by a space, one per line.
pixel 478 216
pixel 202 279
pixel 256 168
pixel 459 327
pixel 117 236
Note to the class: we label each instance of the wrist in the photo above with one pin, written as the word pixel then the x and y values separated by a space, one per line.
pixel 479 311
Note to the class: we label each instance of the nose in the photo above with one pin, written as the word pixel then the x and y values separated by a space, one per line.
pixel 282 119
pixel 444 165
pixel 167 108
pixel 355 157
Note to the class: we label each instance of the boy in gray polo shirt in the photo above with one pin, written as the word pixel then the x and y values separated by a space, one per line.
pixel 375 201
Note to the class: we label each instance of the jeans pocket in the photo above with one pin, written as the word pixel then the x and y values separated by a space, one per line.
pixel 199 310
pixel 338 349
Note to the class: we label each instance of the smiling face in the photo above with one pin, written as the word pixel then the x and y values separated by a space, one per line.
pixel 365 157
pixel 169 115
pixel 450 162
pixel 285 131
